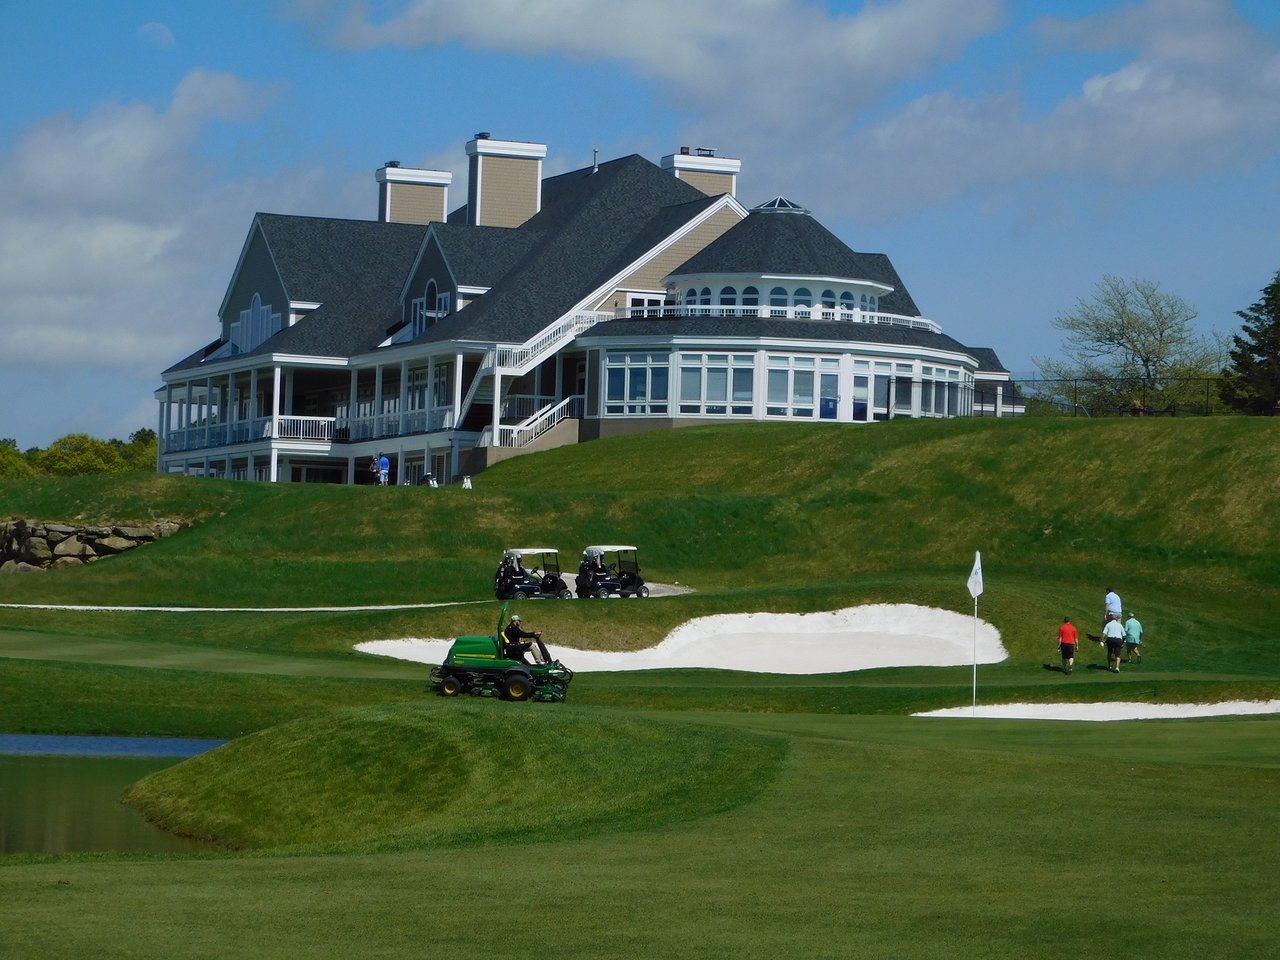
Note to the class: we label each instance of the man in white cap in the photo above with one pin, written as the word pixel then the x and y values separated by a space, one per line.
pixel 514 644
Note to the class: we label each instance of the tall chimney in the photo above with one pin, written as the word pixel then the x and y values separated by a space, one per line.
pixel 506 181
pixel 410 195
pixel 701 168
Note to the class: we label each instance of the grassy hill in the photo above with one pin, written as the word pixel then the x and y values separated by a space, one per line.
pixel 679 813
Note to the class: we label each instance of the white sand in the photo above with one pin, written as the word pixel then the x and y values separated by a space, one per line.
pixel 857 638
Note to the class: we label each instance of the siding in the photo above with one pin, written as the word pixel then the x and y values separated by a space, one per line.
pixel 712 184
pixel 416 203
pixel 509 188
pixel 257 275
pixel 651 274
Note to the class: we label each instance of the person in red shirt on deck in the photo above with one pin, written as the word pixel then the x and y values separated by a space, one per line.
pixel 1068 637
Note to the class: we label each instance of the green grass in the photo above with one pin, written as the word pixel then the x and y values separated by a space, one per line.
pixel 680 813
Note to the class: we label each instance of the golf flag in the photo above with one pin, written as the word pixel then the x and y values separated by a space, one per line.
pixel 975 578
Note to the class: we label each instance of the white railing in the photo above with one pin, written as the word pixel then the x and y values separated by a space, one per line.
pixel 531 351
pixel 518 406
pixel 542 421
pixel 304 428
pixel 782 313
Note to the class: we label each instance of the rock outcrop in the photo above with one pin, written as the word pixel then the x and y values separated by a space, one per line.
pixel 28 545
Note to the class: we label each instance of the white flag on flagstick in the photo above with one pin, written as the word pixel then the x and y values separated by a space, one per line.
pixel 975 578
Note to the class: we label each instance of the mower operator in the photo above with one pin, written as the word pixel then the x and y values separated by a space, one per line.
pixel 515 646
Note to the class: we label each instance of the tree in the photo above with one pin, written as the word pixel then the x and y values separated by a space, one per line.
pixel 79 453
pixel 13 465
pixel 1130 346
pixel 1251 384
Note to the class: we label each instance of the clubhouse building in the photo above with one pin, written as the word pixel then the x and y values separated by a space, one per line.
pixel 622 297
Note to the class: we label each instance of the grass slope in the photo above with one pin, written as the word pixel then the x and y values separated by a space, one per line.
pixel 680 813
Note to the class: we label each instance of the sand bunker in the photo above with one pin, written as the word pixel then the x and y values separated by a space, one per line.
pixel 1108 711
pixel 857 638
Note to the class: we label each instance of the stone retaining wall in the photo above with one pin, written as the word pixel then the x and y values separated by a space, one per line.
pixel 27 545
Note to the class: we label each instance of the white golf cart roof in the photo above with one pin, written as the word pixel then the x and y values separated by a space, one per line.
pixel 523 550
pixel 607 549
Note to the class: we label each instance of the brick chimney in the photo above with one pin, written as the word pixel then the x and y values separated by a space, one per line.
pixel 700 167
pixel 505 187
pixel 410 195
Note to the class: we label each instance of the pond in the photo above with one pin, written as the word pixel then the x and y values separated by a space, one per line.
pixel 62 794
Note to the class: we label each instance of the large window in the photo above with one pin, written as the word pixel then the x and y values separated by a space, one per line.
pixel 636 384
pixel 790 386
pixel 716 384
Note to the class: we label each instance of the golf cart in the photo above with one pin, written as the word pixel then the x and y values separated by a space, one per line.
pixel 480 667
pixel 515 581
pixel 608 570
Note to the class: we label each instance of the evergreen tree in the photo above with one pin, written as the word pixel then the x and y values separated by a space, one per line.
pixel 1252 383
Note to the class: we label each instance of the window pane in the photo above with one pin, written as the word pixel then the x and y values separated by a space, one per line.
pixel 690 383
pixel 802 388
pixel 750 297
pixel 778 386
pixel 777 297
pixel 717 384
pixel 616 380
pixel 803 297
pixel 658 385
pixel 639 381
pixel 828 298
pixel 742 385
pixel 728 297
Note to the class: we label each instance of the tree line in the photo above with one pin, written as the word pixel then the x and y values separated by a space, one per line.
pixel 1130 347
pixel 77 454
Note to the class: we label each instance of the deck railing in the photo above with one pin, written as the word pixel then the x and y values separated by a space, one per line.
pixel 842 314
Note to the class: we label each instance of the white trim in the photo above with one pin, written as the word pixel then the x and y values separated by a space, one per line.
pixel 433 178
pixel 518 149
pixel 693 163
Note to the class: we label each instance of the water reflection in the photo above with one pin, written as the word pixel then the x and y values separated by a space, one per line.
pixel 70 803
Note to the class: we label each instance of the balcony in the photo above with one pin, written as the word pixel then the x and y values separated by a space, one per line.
pixel 837 314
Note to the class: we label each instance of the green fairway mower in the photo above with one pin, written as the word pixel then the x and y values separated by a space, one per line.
pixel 479 666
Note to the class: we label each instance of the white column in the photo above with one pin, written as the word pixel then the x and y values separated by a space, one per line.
pixel 916 386
pixel 275 415
pixel 457 397
pixel 208 414
pixel 253 398
pixel 430 406
pixel 404 395
pixel 231 406
pixel 377 400
pixel 497 406
pixel 275 464
pixel 1000 400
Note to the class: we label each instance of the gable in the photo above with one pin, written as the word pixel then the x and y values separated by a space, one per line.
pixel 255 274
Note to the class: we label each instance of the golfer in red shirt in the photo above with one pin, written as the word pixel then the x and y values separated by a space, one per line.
pixel 1068 637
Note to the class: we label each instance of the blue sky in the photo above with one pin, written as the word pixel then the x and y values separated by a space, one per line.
pixel 1006 155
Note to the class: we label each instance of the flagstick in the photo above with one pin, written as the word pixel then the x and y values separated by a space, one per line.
pixel 974 711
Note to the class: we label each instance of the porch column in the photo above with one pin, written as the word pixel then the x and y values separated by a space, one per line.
pixel 1000 400
pixel 377 400
pixel 186 426
pixel 404 396
pixel 351 470
pixel 232 401
pixel 457 397
pixel 208 413
pixel 275 415
pixel 275 464
pixel 253 400
pixel 351 402
pixel 916 389
pixel 497 407
pixel 162 431
pixel 430 405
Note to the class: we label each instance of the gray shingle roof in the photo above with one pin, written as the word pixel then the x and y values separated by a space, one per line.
pixel 591 225
pixel 353 268
pixel 790 242
pixel 482 256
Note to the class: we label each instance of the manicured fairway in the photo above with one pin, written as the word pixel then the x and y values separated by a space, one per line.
pixel 877 837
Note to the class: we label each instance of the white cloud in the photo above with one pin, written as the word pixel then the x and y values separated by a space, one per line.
pixel 118 235
pixel 792 87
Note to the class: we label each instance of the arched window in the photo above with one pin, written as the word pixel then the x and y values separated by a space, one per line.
pixel 432 295
pixel 690 297
pixel 706 296
pixel 875 303
pixel 846 302
pixel 728 297
pixel 864 301
pixel 778 297
pixel 750 297
pixel 829 299
pixel 804 298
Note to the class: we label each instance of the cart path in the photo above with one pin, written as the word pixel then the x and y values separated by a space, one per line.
pixel 89 607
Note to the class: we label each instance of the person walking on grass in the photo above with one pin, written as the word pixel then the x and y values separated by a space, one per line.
pixel 1132 638
pixel 1111 607
pixel 1068 638
pixel 384 469
pixel 1113 634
